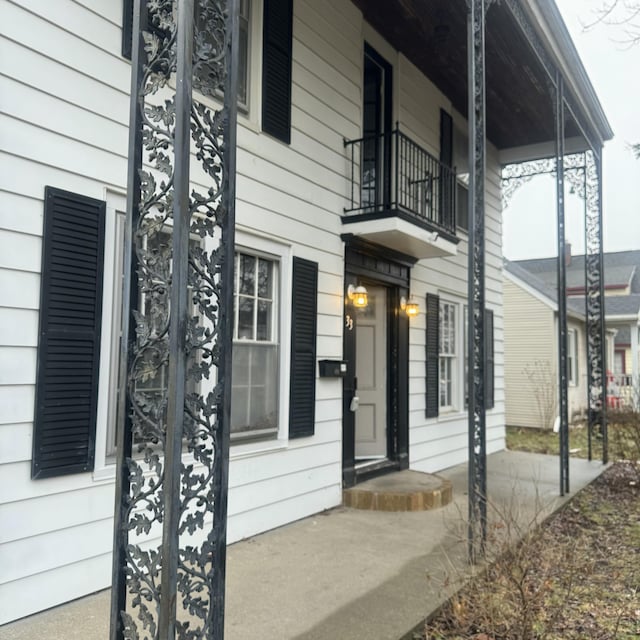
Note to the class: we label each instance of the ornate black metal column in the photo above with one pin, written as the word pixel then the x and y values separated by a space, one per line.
pixel 477 530
pixel 563 379
pixel 595 300
pixel 173 413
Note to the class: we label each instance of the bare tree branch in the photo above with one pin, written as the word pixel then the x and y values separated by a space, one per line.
pixel 623 14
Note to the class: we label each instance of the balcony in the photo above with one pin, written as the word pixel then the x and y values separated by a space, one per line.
pixel 401 196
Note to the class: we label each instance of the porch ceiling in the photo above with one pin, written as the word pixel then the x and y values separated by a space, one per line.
pixel 433 35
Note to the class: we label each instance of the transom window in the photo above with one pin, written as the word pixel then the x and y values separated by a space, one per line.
pixel 254 407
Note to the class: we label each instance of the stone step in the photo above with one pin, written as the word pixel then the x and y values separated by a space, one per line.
pixel 400 491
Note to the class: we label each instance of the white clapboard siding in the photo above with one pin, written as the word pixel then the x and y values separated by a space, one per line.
pixel 66 126
pixel 15 446
pixel 442 442
pixel 65 111
pixel 49 588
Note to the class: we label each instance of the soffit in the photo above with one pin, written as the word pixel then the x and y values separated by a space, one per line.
pixel 433 36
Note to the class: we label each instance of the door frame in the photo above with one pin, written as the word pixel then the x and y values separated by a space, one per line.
pixel 368 262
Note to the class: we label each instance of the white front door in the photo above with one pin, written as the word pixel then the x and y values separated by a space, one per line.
pixel 371 372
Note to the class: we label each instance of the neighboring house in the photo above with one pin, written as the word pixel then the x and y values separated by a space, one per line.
pixel 306 226
pixel 531 351
pixel 622 312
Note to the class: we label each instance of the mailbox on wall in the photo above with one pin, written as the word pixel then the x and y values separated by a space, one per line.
pixel 332 368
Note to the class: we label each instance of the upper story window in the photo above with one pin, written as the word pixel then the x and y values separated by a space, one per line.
pixel 244 57
pixel 254 409
pixel 206 76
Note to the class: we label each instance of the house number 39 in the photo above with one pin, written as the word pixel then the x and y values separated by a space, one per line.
pixel 348 322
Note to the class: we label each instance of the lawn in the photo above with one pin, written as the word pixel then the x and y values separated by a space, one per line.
pixel 623 437
pixel 546 441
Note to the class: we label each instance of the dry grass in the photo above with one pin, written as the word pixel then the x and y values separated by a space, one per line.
pixel 574 577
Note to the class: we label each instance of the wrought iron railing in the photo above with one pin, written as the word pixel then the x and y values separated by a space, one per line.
pixel 390 172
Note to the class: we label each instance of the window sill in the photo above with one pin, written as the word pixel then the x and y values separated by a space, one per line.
pixel 107 473
pixel 240 450
pixel 451 415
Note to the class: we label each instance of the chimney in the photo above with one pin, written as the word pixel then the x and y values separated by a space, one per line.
pixel 567 253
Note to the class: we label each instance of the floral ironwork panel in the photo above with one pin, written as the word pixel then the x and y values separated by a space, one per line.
pixel 144 457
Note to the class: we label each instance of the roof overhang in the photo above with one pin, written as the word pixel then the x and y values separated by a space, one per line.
pixel 519 105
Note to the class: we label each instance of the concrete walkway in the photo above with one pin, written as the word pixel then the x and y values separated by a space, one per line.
pixel 347 574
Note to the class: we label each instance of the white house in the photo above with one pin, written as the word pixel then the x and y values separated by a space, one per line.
pixel 357 69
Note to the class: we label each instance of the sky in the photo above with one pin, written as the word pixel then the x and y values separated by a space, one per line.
pixel 614 69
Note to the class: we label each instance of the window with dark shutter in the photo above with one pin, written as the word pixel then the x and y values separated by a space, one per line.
pixel 433 347
pixel 489 359
pixel 127 28
pixel 276 68
pixel 69 335
pixel 304 303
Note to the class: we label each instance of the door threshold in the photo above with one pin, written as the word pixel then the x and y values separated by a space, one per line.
pixel 368 462
pixel 372 468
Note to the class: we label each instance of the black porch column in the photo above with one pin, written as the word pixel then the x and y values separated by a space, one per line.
pixel 563 379
pixel 477 530
pixel 175 370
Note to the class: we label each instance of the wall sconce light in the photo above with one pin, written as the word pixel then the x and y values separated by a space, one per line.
pixel 358 296
pixel 410 307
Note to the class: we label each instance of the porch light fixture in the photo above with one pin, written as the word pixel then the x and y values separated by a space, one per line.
pixel 358 296
pixel 410 307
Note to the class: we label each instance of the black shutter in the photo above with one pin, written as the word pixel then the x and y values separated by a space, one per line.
pixel 69 336
pixel 446 192
pixel 127 28
pixel 489 360
pixel 304 303
pixel 276 68
pixel 433 355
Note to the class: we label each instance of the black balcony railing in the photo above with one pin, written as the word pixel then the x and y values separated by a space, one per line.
pixel 393 175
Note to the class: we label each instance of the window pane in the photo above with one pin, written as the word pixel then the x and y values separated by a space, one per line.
pixel 265 277
pixel 263 331
pixel 247 275
pixel 255 385
pixel 245 318
pixel 240 408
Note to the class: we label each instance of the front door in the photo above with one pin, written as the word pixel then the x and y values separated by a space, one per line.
pixel 371 374
pixel 375 427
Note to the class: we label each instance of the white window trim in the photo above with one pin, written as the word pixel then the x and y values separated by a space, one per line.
pixel 250 114
pixel 572 352
pixel 270 248
pixel 104 467
pixel 457 392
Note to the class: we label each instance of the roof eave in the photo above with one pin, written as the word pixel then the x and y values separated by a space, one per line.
pixel 562 48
